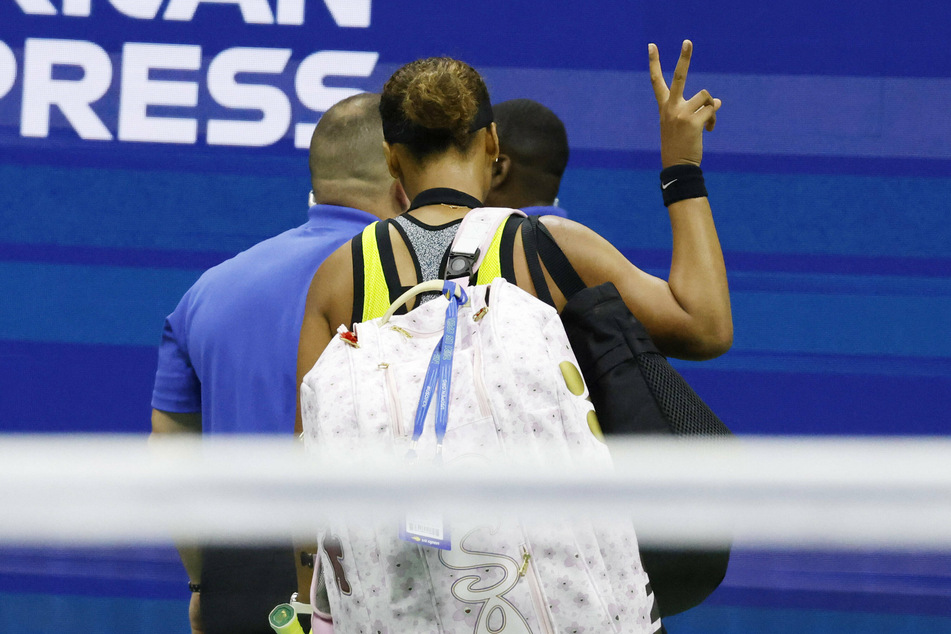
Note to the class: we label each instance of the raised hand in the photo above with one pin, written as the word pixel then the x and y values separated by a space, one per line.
pixel 681 121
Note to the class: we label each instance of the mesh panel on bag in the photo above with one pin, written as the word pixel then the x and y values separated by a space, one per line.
pixel 687 413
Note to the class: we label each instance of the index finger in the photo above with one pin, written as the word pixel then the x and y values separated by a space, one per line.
pixel 657 77
pixel 680 72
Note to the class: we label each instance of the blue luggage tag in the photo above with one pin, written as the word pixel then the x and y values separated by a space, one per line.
pixel 429 529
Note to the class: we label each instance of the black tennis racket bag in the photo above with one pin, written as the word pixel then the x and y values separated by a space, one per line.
pixel 635 390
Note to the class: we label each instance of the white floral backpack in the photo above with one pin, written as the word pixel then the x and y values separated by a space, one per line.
pixel 511 388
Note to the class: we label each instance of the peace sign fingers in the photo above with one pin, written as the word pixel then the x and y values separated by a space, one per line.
pixel 681 122
pixel 680 72
pixel 657 76
pixel 676 90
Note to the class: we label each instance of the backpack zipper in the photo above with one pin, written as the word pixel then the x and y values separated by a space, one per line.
pixel 396 412
pixel 481 394
pixel 528 571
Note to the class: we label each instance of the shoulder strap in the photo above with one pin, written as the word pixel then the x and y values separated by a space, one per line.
pixel 359 278
pixel 494 264
pixel 479 234
pixel 507 248
pixel 374 266
pixel 387 259
pixel 562 272
pixel 530 244
pixel 395 277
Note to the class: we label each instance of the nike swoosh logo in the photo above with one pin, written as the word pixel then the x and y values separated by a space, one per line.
pixel 668 184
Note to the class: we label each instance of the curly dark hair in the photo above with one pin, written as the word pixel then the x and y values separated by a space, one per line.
pixel 431 104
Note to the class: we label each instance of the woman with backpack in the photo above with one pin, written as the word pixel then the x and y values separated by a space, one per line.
pixel 441 143
pixel 439 135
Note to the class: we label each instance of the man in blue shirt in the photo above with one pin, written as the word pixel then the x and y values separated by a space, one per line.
pixel 228 358
pixel 533 154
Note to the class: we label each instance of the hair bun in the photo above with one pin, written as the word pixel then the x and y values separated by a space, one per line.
pixel 440 97
pixel 432 104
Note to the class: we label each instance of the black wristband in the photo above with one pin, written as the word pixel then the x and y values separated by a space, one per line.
pixel 194 587
pixel 680 182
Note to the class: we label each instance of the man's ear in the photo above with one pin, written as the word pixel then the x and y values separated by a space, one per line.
pixel 392 162
pixel 500 170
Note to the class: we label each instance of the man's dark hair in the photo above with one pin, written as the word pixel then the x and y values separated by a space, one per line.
pixel 533 134
pixel 535 140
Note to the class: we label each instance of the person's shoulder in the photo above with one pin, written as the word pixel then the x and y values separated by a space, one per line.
pixel 272 249
pixel 340 261
pixel 574 238
pixel 546 210
pixel 276 262
pixel 336 220
pixel 335 272
pixel 561 224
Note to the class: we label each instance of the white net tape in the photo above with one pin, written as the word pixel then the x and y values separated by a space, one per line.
pixel 861 492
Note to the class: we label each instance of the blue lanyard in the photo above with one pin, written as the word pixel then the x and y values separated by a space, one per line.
pixel 439 374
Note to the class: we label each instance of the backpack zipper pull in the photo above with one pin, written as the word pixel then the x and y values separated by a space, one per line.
pixel 405 333
pixel 526 558
pixel 348 337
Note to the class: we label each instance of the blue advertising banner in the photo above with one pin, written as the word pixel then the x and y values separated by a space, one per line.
pixel 142 141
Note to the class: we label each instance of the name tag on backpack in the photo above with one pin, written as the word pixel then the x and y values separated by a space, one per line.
pixel 426 529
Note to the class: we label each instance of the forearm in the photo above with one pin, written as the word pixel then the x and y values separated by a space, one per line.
pixel 175 423
pixel 191 559
pixel 698 279
pixel 164 425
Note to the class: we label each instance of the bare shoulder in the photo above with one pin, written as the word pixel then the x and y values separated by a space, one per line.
pixel 331 289
pixel 592 255
pixel 337 263
pixel 328 293
pixel 564 226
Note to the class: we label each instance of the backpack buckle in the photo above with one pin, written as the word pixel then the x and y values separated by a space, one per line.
pixel 461 264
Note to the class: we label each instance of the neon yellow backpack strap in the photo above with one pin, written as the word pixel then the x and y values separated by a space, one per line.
pixel 491 266
pixel 376 294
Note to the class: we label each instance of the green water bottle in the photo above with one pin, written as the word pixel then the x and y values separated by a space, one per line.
pixel 283 620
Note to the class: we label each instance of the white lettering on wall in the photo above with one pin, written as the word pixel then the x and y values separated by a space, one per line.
pixel 352 13
pixel 74 77
pixel 37 7
pixel 290 12
pixel 269 100
pixel 141 9
pixel 311 90
pixel 77 8
pixel 139 92
pixel 73 97
pixel 8 69
pixel 252 11
pixel 346 13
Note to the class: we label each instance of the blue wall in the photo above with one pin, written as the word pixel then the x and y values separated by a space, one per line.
pixel 829 174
